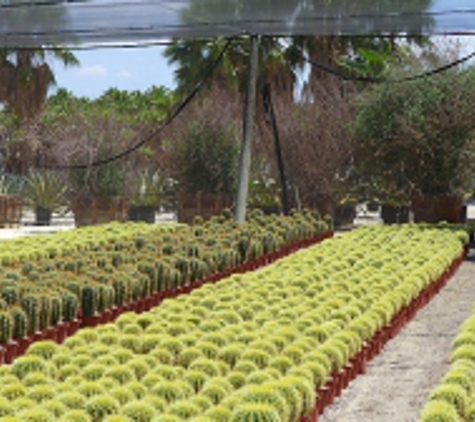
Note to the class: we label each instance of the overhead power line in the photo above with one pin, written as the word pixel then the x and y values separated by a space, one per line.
pixel 357 78
pixel 176 111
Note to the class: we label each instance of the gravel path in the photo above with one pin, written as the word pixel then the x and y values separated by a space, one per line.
pixel 398 381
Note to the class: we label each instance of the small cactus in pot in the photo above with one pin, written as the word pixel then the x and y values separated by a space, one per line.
pixel 45 312
pixel 56 310
pixel 20 322
pixel 89 300
pixel 70 305
pixel 32 306
pixel 6 327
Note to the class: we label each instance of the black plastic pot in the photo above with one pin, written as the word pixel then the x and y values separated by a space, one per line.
pixel 344 215
pixel 42 216
pixel 144 213
pixel 394 214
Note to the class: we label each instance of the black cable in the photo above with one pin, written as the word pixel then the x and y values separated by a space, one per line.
pixel 180 107
pixel 368 79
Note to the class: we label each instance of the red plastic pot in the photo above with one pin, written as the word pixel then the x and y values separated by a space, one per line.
pixel 23 345
pixel 51 333
pixel 11 351
pixel 72 326
pixel 61 332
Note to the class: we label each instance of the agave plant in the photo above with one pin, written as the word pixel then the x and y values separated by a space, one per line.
pixel 45 190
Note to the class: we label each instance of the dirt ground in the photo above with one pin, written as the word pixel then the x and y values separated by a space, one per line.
pixel 398 381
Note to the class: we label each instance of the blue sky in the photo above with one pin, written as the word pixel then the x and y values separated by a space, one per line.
pixel 123 68
pixel 138 69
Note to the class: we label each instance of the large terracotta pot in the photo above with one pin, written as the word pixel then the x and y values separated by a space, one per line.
pixel 434 208
pixel 201 204
pixel 10 210
pixel 90 210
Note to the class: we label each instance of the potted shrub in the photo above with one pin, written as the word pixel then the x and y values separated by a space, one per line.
pixel 145 195
pixel 46 192
pixel 419 137
pixel 99 187
pixel 264 193
pixel 206 161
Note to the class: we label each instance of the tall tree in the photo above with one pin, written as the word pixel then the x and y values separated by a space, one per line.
pixel 282 58
pixel 26 76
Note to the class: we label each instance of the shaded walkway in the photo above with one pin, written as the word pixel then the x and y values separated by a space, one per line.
pixel 397 382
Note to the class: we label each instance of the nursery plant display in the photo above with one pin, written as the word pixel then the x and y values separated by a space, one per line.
pixel 92 274
pixel 256 346
pixel 454 397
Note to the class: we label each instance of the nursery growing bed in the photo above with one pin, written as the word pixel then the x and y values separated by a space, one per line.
pixel 257 336
pixel 398 382
pixel 134 267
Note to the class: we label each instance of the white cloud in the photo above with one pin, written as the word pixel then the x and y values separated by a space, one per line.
pixel 124 74
pixel 93 71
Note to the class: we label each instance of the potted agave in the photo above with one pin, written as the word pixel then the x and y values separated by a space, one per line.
pixel 46 192
pixel 145 197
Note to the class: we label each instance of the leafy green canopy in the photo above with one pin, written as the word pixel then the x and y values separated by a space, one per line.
pixel 418 136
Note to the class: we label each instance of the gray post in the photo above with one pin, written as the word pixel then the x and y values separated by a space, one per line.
pixel 249 112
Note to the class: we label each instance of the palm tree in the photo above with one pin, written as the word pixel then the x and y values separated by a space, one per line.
pixel 282 59
pixel 232 73
pixel 26 76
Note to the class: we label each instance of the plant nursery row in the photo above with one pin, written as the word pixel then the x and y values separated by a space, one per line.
pixel 453 399
pixel 258 346
pixel 92 274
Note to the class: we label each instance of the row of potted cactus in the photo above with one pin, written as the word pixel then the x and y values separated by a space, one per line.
pixel 453 399
pixel 264 345
pixel 108 275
